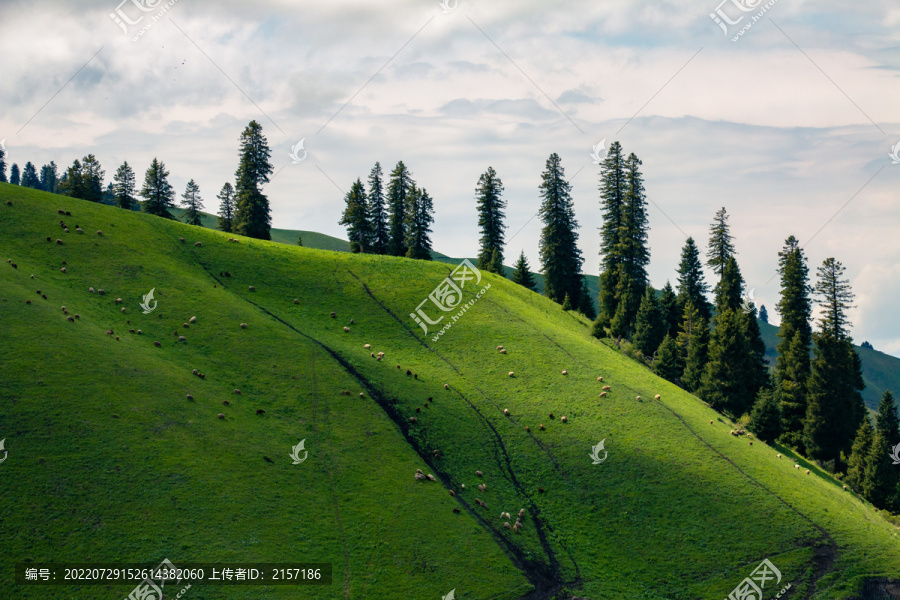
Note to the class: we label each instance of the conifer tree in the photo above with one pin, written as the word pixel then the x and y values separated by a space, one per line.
pixel 124 186
pixel 697 351
pixel 356 218
pixel 668 306
pixel 665 363
pixel 879 481
pixel 397 192
pixel 30 177
pixel 491 206
pixel 226 208
pixel 560 257
pixel 859 456
pixel 50 178
pixel 886 477
pixel 496 265
pixel 722 383
pixel 522 272
pixel 633 253
pixel 3 165
pixel 252 216
pixel 691 282
pixel 72 183
pixel 756 369
pixel 419 217
pixel 834 405
pixel 157 192
pixel 93 175
pixel 887 420
pixel 377 216
pixel 193 203
pixel 721 243
pixel 567 303
pixel 586 303
pixel 612 200
pixel 627 304
pixel 649 329
pixel 765 417
pixel 730 288
pixel 14 176
pixel 763 314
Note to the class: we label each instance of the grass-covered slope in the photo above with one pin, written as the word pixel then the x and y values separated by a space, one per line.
pixel 110 461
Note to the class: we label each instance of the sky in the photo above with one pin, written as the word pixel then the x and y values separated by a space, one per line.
pixel 789 125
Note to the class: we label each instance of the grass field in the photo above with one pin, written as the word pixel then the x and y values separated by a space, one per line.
pixel 109 460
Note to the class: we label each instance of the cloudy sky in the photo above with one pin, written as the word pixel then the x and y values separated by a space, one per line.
pixel 789 126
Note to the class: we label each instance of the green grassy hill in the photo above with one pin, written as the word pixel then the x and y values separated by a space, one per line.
pixel 110 460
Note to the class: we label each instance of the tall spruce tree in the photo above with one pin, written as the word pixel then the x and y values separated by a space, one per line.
pixel 522 272
pixel 398 189
pixel 612 200
pixel 14 175
pixel 92 175
pixel 879 481
pixel 763 314
pixel 721 243
pixel 50 178
pixel 668 306
pixel 560 257
pixel 252 216
pixel 887 420
pixel 157 192
pixel 885 476
pixel 491 205
pixel 834 405
pixel 193 204
pixel 665 363
pixel 377 215
pixel 356 218
pixel 691 282
pixel 697 355
pixel 859 456
pixel 688 335
pixel 226 208
pixel 634 255
pixel 30 177
pixel 419 217
pixel 722 382
pixel 649 328
pixel 124 184
pixel 765 417
pixel 72 182
pixel 586 302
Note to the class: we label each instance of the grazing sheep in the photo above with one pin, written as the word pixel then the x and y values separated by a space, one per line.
pixel 456 510
pixel 415 375
pixel 777 456
pixel 237 391
pixel 420 476
pixel 346 330
pixel 28 302
pixel 351 321
pixel 528 429
pixel 796 466
pixel 101 292
pixel 79 230
pixel 541 427
pixel 380 355
pixel 109 332
pixel 372 354
pixel 603 394
pixel 540 490
pixel 202 375
pixel 710 422
pixel 463 486
pixel 506 525
pixel 638 398
pixel 99 232
pixel 413 420
pixel 506 411
pixel 521 512
pixel 511 374
pixel 189 397
pixel 44 296
pixel 503 351
pixel 194 372
pixel 68 214
pixel 481 487
pixel 367 346
pixel 69 317
pixel 181 338
pixel 63 270
pixel 139 332
pixel 131 331
pixel 63 309
pixel 227 274
pixel 198 244
pixel 478 473
pixel 260 411
pixel 656 397
pixel 446 386
pixel 749 435
pixel 845 487
pixel 807 471
pixel 185 325
pixel 243 326
pixel 550 415
pixel 91 290
pixel 123 309
pixel 431 477
pixel 182 240
pixel 452 493
pixel 66 229
pixel 361 395
pixel 333 315
pixel 565 372
pixel 157 343
pixel 60 211
pixel 599 379
pixel 251 288
pixel 192 320
pixel 296 301
pixel 606 388
pixel 221 416
pixel 564 420
pixel 516 527
pixel 226 403
pixel 751 442
pixel 59 242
